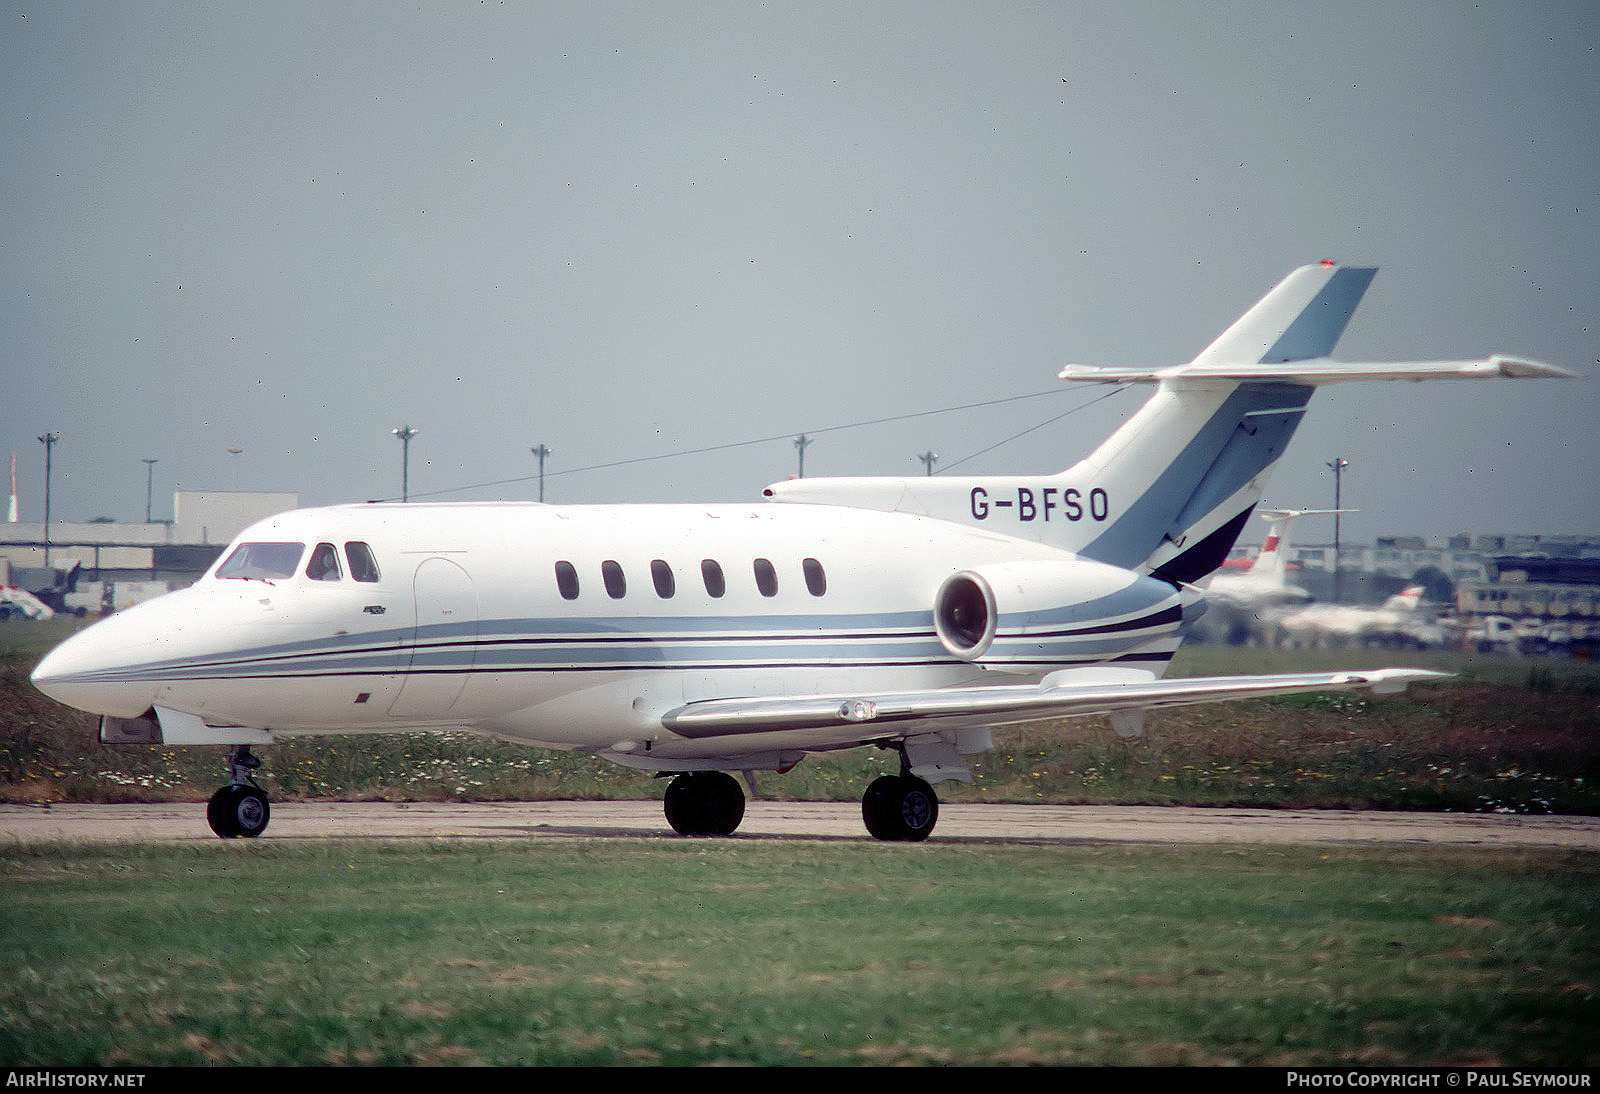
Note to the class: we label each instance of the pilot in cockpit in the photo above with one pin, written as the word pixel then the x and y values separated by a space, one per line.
pixel 324 564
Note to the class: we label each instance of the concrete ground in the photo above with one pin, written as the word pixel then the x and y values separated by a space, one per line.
pixel 809 820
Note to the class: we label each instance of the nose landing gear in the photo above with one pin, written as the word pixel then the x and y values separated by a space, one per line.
pixel 240 808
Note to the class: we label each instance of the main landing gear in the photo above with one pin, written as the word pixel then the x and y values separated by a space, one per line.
pixel 240 808
pixel 901 808
pixel 704 803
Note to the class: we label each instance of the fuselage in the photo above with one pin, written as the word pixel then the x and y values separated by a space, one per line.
pixel 582 626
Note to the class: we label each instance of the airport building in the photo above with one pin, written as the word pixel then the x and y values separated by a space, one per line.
pixel 1535 604
pixel 102 565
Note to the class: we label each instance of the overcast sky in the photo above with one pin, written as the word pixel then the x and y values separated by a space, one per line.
pixel 631 230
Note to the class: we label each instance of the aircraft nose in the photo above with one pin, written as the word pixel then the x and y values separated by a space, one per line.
pixel 96 671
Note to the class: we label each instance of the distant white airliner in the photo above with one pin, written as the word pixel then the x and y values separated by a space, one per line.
pixel 1399 620
pixel 911 614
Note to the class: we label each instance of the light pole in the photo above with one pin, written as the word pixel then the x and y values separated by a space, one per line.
pixel 149 486
pixel 929 458
pixel 801 443
pixel 541 451
pixel 1337 466
pixel 405 433
pixel 234 468
pixel 49 441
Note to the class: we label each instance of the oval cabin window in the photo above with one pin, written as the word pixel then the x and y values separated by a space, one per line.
pixel 661 574
pixel 816 580
pixel 616 583
pixel 567 580
pixel 766 578
pixel 711 571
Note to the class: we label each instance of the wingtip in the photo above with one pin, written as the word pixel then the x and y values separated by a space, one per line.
pixel 1395 681
pixel 1519 368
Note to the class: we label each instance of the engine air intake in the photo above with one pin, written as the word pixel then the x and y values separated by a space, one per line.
pixel 964 615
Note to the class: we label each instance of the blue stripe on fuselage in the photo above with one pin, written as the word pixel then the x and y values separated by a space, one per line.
pixel 523 645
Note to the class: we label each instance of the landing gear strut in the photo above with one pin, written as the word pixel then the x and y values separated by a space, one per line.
pixel 704 803
pixel 900 807
pixel 240 808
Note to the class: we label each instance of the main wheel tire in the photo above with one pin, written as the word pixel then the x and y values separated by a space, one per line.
pixel 218 816
pixel 704 803
pixel 236 811
pixel 901 808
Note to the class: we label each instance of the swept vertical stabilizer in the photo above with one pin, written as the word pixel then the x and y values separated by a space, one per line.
pixel 1169 492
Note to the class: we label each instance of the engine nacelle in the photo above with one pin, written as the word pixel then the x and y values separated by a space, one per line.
pixel 1045 611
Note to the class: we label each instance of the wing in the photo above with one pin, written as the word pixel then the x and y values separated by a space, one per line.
pixel 1065 694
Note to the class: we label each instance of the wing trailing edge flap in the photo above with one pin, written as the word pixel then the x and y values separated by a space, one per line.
pixel 1059 695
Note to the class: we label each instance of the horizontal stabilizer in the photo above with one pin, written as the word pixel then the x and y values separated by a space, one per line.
pixel 1315 373
pixel 1060 695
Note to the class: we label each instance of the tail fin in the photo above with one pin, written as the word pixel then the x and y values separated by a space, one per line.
pixel 1169 492
pixel 1186 470
pixel 1299 320
pixel 1272 563
pixel 1406 600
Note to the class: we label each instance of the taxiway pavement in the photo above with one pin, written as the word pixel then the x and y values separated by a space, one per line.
pixel 958 822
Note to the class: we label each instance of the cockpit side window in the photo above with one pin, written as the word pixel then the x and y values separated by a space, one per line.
pixel 262 561
pixel 324 564
pixel 363 566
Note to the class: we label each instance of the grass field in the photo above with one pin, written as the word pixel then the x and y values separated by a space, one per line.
pixel 678 952
pixel 669 951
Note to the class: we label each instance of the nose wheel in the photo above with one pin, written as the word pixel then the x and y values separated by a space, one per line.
pixel 240 808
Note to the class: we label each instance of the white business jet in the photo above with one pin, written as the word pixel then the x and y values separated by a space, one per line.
pixel 911 614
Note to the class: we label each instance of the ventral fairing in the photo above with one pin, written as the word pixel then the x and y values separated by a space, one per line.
pixel 910 614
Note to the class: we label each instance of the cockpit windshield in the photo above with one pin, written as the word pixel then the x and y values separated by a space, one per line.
pixel 263 561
